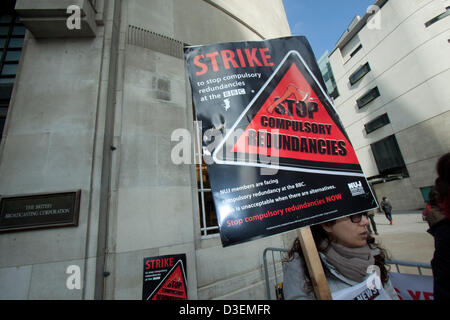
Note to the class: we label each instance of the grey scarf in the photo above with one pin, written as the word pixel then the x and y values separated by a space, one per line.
pixel 351 262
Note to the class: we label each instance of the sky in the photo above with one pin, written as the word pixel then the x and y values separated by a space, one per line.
pixel 323 21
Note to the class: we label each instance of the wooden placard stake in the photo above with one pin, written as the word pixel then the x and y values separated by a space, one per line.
pixel 314 265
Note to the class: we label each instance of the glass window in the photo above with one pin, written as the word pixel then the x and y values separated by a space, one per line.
pixel 377 123
pixel 15 43
pixel 387 156
pixel 208 218
pixel 335 93
pixel 5 92
pixel 439 17
pixel 3 112
pixel 5 18
pixel 356 51
pixel 4 30
pixel 12 56
pixel 2 124
pixel 7 80
pixel 368 97
pixel 19 31
pixel 359 73
pixel 12 33
pixel 9 69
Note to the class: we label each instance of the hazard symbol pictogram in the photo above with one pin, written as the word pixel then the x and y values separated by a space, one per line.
pixel 291 119
pixel 173 286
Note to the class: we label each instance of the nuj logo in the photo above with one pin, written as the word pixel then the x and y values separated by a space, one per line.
pixel 356 188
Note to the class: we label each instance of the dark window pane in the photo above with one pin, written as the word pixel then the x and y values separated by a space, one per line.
pixel 335 93
pixel 210 212
pixel 2 42
pixel 5 92
pixel 2 125
pixel 15 43
pixel 387 155
pixel 439 17
pixel 12 56
pixel 356 50
pixel 211 218
pixel 4 30
pixel 201 209
pixel 7 80
pixel 19 31
pixel 359 74
pixel 9 69
pixel 368 97
pixel 5 18
pixel 3 111
pixel 205 178
pixel 377 123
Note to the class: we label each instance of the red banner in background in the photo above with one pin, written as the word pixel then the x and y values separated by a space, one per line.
pixel 412 287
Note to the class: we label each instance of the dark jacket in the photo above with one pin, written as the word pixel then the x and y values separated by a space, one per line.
pixel 386 206
pixel 441 259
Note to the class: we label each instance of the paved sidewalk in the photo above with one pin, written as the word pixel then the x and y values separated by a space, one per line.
pixel 407 239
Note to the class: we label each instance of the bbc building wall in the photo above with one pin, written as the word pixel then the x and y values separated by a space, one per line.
pixel 93 109
pixel 401 98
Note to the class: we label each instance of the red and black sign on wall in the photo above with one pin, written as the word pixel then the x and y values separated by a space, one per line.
pixel 277 153
pixel 165 278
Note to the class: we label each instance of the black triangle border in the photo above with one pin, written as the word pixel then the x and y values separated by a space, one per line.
pixel 169 274
pixel 260 98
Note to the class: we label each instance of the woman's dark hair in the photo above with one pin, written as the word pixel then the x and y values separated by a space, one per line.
pixel 443 168
pixel 441 189
pixel 433 196
pixel 323 243
pixel 442 183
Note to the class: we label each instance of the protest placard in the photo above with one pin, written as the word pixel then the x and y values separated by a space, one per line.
pixel 165 278
pixel 277 154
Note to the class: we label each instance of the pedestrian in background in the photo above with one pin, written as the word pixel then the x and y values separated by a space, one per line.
pixel 438 219
pixel 387 208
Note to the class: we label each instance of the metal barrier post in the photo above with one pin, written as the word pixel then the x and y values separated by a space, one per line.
pixel 266 269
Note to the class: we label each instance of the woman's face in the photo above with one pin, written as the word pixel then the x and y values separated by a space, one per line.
pixel 347 233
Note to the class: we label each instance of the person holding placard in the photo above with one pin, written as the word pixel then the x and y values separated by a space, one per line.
pixel 348 254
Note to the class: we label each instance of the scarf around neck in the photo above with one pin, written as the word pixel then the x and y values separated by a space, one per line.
pixel 351 262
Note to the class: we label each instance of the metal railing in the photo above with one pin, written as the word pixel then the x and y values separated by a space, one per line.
pixel 275 263
pixel 274 276
pixel 418 265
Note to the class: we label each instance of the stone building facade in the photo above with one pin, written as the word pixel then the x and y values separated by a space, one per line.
pixel 91 107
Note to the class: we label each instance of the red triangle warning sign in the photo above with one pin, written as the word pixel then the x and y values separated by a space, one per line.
pixel 173 286
pixel 293 120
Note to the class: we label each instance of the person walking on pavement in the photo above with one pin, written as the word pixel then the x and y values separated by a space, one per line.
pixel 387 208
